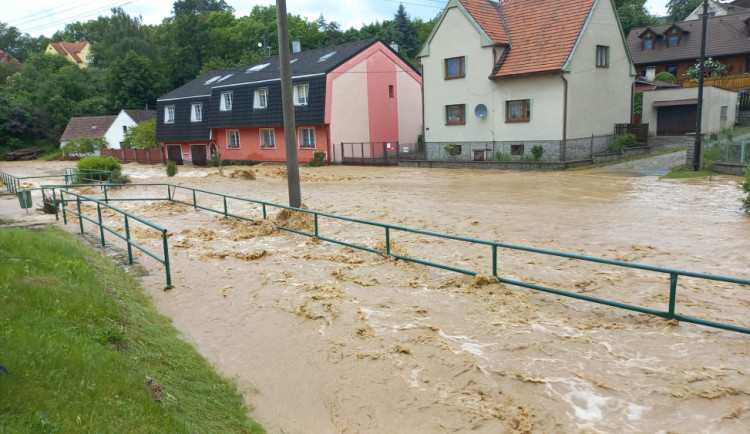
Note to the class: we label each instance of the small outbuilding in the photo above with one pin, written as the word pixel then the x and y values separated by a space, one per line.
pixel 674 111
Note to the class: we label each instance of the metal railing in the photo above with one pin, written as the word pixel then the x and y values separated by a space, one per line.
pixel 13 183
pixel 173 191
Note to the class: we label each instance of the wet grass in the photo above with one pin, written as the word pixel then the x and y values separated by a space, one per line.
pixel 633 158
pixel 6 220
pixel 686 172
pixel 85 351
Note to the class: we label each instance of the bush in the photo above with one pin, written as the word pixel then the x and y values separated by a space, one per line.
pixel 118 178
pixel 666 76
pixel 214 160
pixel 96 163
pixel 171 169
pixel 537 151
pixel 318 159
pixel 84 146
pixel 622 141
pixel 745 186
pixel 452 149
pixel 502 156
pixel 238 162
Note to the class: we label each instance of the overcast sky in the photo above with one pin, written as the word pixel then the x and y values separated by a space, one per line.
pixel 45 17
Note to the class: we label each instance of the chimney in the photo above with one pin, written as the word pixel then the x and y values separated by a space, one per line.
pixel 650 73
pixel 296 46
pixel 394 46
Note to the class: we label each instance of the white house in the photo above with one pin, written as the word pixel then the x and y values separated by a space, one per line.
pixel 112 128
pixel 505 76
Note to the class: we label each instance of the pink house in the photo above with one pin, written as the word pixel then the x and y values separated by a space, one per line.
pixel 361 92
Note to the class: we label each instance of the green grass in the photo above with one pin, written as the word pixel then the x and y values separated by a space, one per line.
pixel 6 220
pixel 87 352
pixel 684 172
pixel 51 155
pixel 633 158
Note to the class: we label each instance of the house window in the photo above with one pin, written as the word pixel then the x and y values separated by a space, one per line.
pixel 307 138
pixel 233 139
pixel 648 44
pixel 454 114
pixel 301 92
pixel 196 113
pixel 674 40
pixel 390 91
pixel 169 114
pixel 723 115
pixel 602 56
pixel 267 138
pixel 518 111
pixel 124 128
pixel 261 99
pixel 516 149
pixel 225 104
pixel 455 67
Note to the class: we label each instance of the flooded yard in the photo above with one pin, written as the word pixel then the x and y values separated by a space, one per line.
pixel 325 338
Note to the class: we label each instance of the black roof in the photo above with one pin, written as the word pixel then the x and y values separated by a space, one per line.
pixel 305 63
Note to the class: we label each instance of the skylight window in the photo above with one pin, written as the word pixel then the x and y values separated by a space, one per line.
pixel 211 80
pixel 224 78
pixel 292 61
pixel 257 68
pixel 325 57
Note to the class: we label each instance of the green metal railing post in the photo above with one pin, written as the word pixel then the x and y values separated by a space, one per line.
pixel 264 211
pixel 169 192
pixel 106 199
pixel 225 206
pixel 166 258
pixel 316 225
pixel 388 241
pixel 127 239
pixel 672 293
pixel 62 203
pixel 494 260
pixel 54 204
pixel 80 216
pixel 101 229
pixel 195 202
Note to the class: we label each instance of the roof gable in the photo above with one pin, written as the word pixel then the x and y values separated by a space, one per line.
pixel 139 116
pixel 93 127
pixel 484 16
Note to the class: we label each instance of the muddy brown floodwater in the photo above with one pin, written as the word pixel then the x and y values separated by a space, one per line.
pixel 322 338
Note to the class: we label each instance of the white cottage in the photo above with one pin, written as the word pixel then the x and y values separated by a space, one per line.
pixel 112 128
pixel 505 76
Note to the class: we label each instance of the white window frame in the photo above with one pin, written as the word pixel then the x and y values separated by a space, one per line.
pixel 301 94
pixel 272 136
pixel 196 112
pixel 306 133
pixel 261 98
pixel 230 134
pixel 225 104
pixel 169 114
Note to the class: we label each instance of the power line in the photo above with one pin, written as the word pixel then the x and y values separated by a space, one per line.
pixel 76 16
pixel 416 4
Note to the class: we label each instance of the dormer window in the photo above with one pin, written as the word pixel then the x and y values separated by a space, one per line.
pixel 648 41
pixel 674 36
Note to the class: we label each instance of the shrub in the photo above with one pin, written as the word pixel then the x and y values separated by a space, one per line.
pixel 96 163
pixel 745 186
pixel 214 160
pixel 84 146
pixel 452 149
pixel 318 159
pixel 710 157
pixel 118 178
pixel 638 103
pixel 666 76
pixel 171 169
pixel 238 162
pixel 502 156
pixel 537 151
pixel 622 141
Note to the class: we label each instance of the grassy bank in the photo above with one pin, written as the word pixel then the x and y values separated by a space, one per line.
pixel 85 351
pixel 632 158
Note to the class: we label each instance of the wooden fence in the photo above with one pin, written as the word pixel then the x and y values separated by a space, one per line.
pixel 146 156
pixel 640 131
pixel 735 83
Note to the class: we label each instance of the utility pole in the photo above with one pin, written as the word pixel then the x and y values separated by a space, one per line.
pixel 698 149
pixel 292 165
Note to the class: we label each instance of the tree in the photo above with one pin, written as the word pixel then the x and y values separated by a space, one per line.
pixel 19 45
pixel 633 14
pixel 680 9
pixel 84 146
pixel 407 35
pixel 132 82
pixel 141 136
pixel 199 7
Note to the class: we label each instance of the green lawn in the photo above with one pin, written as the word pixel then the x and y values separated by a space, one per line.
pixel 632 158
pixel 85 351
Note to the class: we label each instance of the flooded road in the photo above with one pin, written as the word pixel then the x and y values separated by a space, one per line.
pixel 325 338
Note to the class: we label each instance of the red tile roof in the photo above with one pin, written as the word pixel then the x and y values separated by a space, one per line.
pixel 542 34
pixel 72 48
pixel 93 127
pixel 5 57
pixel 487 15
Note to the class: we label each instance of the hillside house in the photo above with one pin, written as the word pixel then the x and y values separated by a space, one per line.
pixel 112 128
pixel 78 53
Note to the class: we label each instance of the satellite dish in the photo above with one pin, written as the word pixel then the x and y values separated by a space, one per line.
pixel 481 111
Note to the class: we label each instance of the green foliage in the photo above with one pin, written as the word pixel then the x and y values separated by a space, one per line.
pixel 97 163
pixel 622 141
pixel 318 159
pixel 745 187
pixel 52 155
pixel 537 151
pixel 665 76
pixel 141 136
pixel 117 177
pixel 84 146
pixel 111 362
pixel 214 160
pixel 132 82
pixel 633 14
pixel 710 157
pixel 680 9
pixel 638 102
pixel 239 162
pixel 452 149
pixel 712 69
pixel 503 156
pixel 171 169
